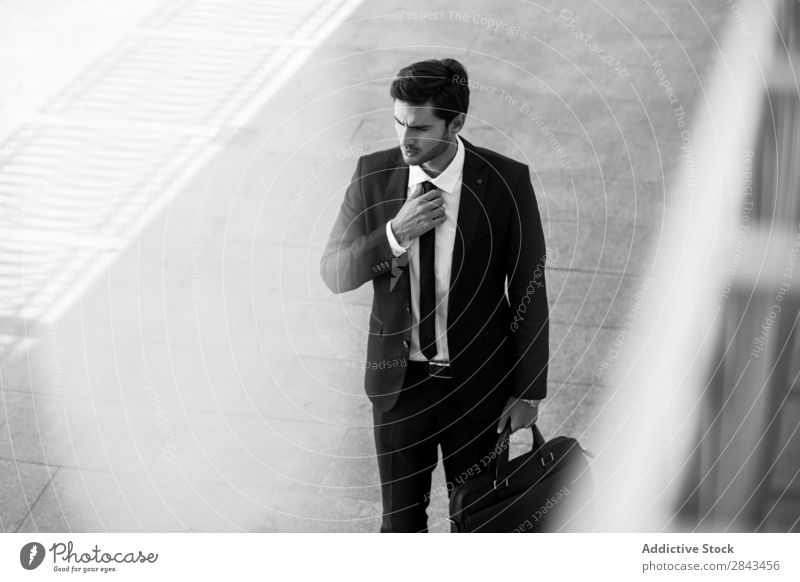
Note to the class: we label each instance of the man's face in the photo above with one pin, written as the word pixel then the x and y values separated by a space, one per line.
pixel 422 135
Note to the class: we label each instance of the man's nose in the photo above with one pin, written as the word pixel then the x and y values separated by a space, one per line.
pixel 405 137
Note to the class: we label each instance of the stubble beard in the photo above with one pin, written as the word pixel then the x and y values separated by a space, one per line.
pixel 438 149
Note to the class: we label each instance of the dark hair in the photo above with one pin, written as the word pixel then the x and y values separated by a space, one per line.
pixel 442 82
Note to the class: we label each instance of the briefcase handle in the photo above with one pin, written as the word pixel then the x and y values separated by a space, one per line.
pixel 503 445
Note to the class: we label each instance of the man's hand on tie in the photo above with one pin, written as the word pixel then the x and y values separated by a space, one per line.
pixel 421 212
pixel 522 413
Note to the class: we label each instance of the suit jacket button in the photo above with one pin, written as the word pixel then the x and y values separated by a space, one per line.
pixel 406 344
pixel 408 308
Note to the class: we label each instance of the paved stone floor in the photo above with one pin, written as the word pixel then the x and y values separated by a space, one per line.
pixel 177 364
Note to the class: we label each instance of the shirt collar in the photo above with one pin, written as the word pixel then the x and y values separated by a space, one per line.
pixel 448 180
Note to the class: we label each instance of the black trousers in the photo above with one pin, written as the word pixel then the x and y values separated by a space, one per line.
pixel 407 438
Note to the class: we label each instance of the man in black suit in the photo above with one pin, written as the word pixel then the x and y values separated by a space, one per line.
pixel 451 238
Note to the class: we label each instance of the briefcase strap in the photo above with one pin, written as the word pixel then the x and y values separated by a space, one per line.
pixel 503 445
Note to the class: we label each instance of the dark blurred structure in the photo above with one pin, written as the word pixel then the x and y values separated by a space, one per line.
pixel 743 471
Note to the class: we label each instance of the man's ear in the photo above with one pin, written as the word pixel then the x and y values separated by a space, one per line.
pixel 457 123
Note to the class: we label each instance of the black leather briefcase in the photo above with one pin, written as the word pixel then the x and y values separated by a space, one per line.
pixel 548 489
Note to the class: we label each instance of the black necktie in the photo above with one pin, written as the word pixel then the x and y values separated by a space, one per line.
pixel 427 290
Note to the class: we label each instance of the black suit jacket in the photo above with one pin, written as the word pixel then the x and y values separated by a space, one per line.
pixel 498 342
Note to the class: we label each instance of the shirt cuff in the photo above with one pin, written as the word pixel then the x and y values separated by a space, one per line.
pixel 397 248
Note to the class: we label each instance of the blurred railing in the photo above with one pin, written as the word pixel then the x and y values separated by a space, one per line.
pixel 744 471
pixel 709 385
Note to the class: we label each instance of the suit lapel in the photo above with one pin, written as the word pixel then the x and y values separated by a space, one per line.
pixel 396 188
pixel 396 192
pixel 473 190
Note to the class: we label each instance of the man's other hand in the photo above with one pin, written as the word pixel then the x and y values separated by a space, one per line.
pixel 521 414
pixel 421 212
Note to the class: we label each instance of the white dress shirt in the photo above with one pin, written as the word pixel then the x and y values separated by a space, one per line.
pixel 449 183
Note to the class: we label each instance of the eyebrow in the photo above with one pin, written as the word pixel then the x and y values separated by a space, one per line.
pixel 424 126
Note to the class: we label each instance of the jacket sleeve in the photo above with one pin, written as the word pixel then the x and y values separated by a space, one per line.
pixel 527 293
pixel 353 255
